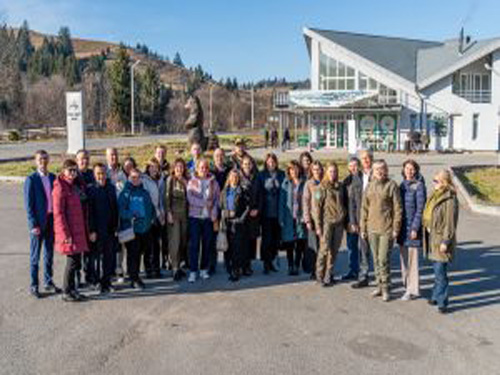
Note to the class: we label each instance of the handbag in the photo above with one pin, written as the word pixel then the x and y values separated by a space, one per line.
pixel 222 243
pixel 126 235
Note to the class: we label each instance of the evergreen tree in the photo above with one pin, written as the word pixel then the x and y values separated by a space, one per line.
pixel 178 60
pixel 150 95
pixel 65 44
pixel 25 47
pixel 119 78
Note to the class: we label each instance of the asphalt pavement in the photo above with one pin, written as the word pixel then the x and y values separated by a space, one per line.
pixel 275 324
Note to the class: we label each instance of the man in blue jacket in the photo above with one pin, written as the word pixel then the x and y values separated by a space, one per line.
pixel 38 203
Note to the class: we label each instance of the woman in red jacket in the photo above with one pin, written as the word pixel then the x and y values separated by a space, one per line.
pixel 70 227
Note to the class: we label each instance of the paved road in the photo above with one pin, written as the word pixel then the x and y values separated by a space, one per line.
pixel 263 325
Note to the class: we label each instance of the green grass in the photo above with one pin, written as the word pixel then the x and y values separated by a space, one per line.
pixel 143 153
pixel 484 183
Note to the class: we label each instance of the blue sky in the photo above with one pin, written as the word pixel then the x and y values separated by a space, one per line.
pixel 250 39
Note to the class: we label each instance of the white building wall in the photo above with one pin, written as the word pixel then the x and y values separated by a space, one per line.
pixel 440 95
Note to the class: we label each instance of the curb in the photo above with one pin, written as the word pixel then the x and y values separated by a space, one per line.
pixel 474 206
pixel 16 179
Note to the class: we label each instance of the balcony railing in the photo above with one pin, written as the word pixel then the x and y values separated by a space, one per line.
pixel 474 96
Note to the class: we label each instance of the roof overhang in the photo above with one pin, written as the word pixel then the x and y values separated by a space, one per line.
pixel 480 53
pixel 385 76
pixel 327 99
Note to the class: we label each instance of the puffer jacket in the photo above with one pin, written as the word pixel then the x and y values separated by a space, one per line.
pixel 198 201
pixel 381 210
pixel 443 228
pixel 69 217
pixel 136 208
pixel 330 204
pixel 291 228
pixel 413 197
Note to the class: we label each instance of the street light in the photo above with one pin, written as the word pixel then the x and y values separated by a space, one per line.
pixel 132 89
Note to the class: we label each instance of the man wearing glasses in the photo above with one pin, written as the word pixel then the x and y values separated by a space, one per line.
pixel 38 203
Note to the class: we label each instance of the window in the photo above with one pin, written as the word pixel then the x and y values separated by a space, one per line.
pixel 474 87
pixel 475 126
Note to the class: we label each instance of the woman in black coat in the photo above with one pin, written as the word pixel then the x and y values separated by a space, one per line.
pixel 249 183
pixel 235 207
pixel 413 198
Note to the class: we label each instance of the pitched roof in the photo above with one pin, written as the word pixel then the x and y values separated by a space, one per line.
pixel 432 62
pixel 398 55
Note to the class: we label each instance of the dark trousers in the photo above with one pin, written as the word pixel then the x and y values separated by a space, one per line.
pixel 164 246
pixel 45 239
pixel 152 252
pixel 311 252
pixel 237 253
pixel 295 252
pixel 73 264
pixel 213 253
pixel 135 249
pixel 352 240
pixel 364 261
pixel 270 239
pixel 103 257
pixel 200 231
pixel 440 290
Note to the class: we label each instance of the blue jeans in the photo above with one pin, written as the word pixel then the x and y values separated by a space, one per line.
pixel 440 290
pixel 45 239
pixel 352 240
pixel 200 230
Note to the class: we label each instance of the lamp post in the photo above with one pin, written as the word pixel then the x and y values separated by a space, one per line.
pixel 132 91
pixel 211 108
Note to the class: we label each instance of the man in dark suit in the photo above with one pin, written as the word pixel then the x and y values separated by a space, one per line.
pixel 38 203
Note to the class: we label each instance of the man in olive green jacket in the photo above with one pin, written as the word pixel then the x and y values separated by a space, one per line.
pixel 381 213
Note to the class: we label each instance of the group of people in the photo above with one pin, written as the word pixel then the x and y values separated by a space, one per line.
pixel 178 217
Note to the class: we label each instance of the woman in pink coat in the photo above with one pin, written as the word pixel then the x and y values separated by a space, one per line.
pixel 70 226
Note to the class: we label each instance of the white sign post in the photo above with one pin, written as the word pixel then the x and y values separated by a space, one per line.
pixel 74 122
pixel 351 136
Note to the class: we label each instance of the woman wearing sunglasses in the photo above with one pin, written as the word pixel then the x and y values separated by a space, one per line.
pixel 70 227
pixel 440 220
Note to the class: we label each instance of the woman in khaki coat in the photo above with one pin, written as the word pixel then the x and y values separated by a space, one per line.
pixel 440 220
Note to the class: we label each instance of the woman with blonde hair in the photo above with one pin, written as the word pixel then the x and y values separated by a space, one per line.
pixel 203 195
pixel 235 207
pixel 176 208
pixel 308 206
pixel 440 219
pixel 293 229
pixel 329 217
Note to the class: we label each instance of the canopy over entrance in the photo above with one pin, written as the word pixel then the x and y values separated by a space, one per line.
pixel 310 99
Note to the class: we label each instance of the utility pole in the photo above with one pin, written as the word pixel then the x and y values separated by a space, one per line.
pixel 253 106
pixel 132 92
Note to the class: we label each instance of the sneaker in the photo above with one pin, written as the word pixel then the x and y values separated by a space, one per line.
pixel 386 296
pixel 80 297
pixel 120 279
pixel 192 277
pixel 376 293
pixel 360 284
pixel 70 297
pixel 443 310
pixel 406 297
pixel 35 293
pixel 204 274
pixel 52 288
